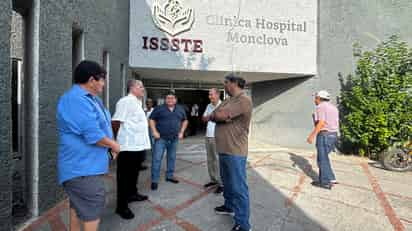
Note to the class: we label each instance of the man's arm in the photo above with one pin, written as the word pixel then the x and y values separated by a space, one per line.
pixel 86 124
pixel 319 125
pixel 320 116
pixel 120 116
pixel 152 124
pixel 115 127
pixel 221 115
pixel 183 128
pixel 205 116
pixel 229 112
pixel 109 143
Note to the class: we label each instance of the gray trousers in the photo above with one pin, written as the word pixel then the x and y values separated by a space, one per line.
pixel 212 160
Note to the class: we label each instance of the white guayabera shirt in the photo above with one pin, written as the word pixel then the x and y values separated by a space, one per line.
pixel 133 134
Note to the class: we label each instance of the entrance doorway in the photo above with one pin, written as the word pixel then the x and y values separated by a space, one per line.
pixel 24 55
pixel 192 96
pixel 195 103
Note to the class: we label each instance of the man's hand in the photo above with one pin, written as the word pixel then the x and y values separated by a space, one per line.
pixel 156 135
pixel 115 155
pixel 319 125
pixel 220 115
pixel 116 147
pixel 181 135
pixel 205 118
pixel 310 139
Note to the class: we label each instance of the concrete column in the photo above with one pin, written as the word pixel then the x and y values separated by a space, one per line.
pixel 32 104
pixel 5 114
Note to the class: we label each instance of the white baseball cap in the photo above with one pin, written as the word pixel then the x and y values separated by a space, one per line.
pixel 323 94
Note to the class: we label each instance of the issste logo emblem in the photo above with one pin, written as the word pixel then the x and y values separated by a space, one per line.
pixel 172 16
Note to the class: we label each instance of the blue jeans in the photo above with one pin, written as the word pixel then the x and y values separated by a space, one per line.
pixel 235 188
pixel 325 143
pixel 159 148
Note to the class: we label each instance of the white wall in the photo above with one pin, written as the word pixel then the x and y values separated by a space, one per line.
pixel 225 46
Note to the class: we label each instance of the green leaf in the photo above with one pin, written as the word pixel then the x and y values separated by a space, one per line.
pixel 376 101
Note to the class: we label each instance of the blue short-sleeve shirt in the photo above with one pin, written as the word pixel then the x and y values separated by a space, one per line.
pixel 168 122
pixel 82 121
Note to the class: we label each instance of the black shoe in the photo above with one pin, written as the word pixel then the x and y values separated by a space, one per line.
pixel 325 186
pixel 173 180
pixel 219 190
pixel 238 228
pixel 210 184
pixel 222 210
pixel 153 186
pixel 137 197
pixel 125 213
pixel 143 167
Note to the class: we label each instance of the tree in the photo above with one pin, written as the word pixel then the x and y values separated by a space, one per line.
pixel 376 102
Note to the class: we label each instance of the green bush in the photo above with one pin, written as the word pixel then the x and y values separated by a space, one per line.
pixel 376 102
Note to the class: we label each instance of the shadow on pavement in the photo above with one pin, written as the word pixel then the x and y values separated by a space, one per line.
pixel 304 165
pixel 187 206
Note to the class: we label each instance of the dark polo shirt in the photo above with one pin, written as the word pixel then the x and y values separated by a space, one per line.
pixel 168 122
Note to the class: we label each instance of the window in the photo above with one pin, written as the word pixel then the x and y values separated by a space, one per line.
pixel 123 76
pixel 106 65
pixel 16 86
pixel 77 46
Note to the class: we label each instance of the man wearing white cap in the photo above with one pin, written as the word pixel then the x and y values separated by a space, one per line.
pixel 326 119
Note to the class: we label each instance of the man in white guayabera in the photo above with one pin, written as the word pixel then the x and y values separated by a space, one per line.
pixel 130 127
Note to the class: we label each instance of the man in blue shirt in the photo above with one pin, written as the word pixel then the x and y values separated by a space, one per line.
pixel 168 123
pixel 85 135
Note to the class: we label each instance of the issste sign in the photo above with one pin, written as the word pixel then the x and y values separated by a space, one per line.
pixel 173 18
pixel 275 36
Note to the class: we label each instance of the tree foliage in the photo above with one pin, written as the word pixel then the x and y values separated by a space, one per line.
pixel 376 102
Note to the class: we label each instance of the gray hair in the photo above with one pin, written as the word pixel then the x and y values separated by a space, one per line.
pixel 133 82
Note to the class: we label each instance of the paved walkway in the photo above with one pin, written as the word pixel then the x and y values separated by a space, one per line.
pixel 282 198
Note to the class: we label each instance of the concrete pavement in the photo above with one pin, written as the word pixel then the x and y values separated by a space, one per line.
pixel 282 198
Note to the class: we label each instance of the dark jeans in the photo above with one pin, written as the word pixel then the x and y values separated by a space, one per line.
pixel 128 165
pixel 325 143
pixel 157 155
pixel 235 188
